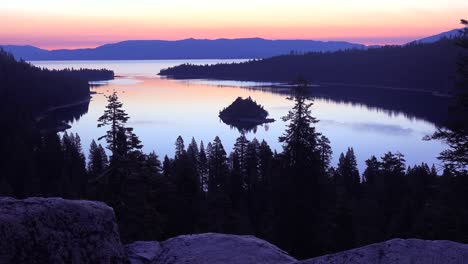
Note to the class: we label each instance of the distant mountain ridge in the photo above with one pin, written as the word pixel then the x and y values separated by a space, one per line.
pixel 183 49
pixel 448 34
pixel 241 48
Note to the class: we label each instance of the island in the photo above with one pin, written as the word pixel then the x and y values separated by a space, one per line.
pixel 245 114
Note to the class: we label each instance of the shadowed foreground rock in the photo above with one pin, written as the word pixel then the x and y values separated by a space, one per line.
pixel 400 251
pixel 208 248
pixel 54 230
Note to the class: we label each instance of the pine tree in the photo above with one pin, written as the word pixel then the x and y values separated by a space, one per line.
pixel 455 136
pixel 187 184
pixel 97 160
pixel 252 165
pixel 127 146
pixel 217 164
pixel 50 162
pixel 120 139
pixel 372 171
pixel 203 169
pixel 325 152
pixel 265 162
pixel 220 205
pixel 193 151
pixel 300 141
pixel 179 147
pixel 393 163
pixel 167 167
pixel 114 116
pixel 153 164
pixel 347 168
pixel 240 149
pixel 74 179
pixel 302 165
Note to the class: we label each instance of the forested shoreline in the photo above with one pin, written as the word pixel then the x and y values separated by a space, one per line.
pixel 420 66
pixel 31 89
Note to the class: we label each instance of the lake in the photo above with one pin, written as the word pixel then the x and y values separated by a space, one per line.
pixel 161 109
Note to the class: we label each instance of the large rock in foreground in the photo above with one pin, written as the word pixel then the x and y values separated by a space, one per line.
pixel 208 248
pixel 400 251
pixel 54 230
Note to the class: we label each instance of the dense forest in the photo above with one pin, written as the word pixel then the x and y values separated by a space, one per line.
pixel 292 198
pixel 421 66
pixel 32 89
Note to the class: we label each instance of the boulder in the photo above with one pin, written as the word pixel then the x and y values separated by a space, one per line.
pixel 54 230
pixel 401 251
pixel 143 252
pixel 208 248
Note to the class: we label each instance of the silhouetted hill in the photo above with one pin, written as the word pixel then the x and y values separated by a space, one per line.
pixel 429 67
pixel 25 51
pixel 184 49
pixel 448 34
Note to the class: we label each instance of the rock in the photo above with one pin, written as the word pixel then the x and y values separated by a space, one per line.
pixel 401 251
pixel 54 230
pixel 208 248
pixel 143 252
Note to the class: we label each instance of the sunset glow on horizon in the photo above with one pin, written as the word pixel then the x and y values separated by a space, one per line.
pixel 54 24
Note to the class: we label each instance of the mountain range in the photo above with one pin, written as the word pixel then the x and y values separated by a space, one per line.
pixel 191 49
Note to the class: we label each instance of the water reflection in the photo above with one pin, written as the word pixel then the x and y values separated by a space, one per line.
pixel 371 126
pixel 162 109
pixel 411 104
pixel 58 119
pixel 245 128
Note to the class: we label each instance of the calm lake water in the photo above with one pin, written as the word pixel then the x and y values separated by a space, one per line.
pixel 161 109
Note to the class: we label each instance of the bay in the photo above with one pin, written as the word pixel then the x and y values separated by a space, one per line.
pixel 161 109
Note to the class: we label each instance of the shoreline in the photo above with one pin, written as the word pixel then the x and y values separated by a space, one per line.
pixel 379 87
pixel 51 126
pixel 282 84
pixel 44 113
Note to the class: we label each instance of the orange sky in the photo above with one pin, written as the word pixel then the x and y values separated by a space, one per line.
pixel 53 24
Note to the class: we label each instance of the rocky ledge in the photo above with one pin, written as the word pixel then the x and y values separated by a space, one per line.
pixel 208 248
pixel 54 230
pixel 400 251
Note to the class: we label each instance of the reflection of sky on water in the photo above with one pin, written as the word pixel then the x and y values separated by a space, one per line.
pixel 375 127
pixel 162 109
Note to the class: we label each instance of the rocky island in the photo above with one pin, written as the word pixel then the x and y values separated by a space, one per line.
pixel 245 114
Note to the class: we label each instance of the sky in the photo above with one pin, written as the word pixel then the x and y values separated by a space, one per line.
pixel 56 24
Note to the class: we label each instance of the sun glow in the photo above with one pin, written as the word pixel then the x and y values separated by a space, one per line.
pixel 71 24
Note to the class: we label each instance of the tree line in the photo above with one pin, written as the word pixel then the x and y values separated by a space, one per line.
pixel 423 66
pixel 30 90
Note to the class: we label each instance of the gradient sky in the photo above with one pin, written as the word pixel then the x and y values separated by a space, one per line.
pixel 53 24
